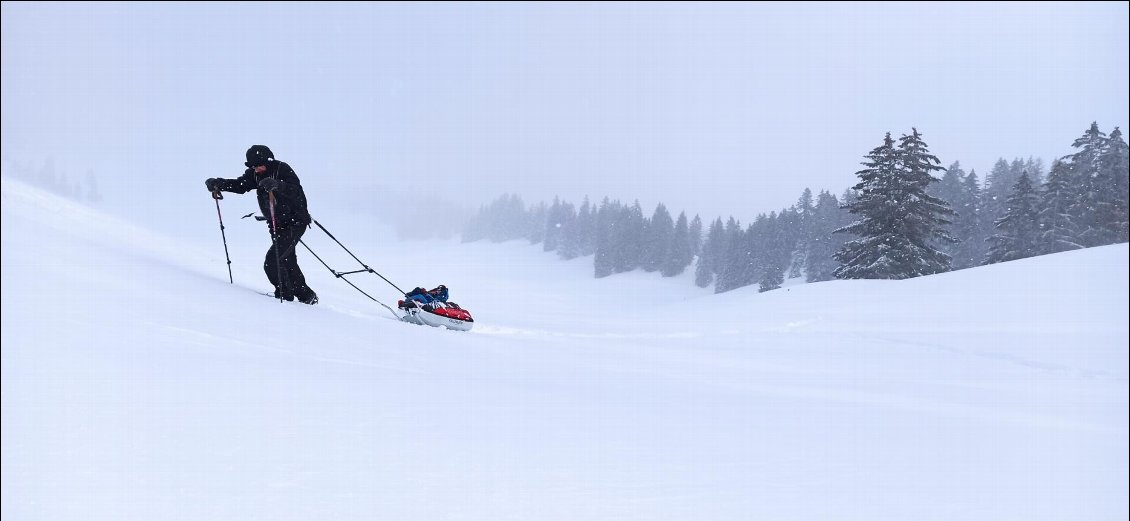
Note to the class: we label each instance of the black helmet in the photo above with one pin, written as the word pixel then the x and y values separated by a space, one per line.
pixel 259 155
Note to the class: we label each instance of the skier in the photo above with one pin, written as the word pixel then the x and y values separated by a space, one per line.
pixel 268 177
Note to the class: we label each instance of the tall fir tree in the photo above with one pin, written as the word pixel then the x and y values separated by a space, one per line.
pixel 804 222
pixel 475 229
pixel 604 256
pixel 1056 226
pixel 1035 169
pixel 1111 201
pixel 679 255
pixel 505 219
pixel 627 239
pixel 746 261
pixel 1085 166
pixel 997 186
pixel 709 257
pixel 657 239
pixel 553 221
pixel 730 266
pixel 776 250
pixel 819 263
pixel 899 219
pixel 970 227
pixel 586 227
pixel 535 222
pixel 695 235
pixel 949 187
pixel 569 242
pixel 1018 230
pixel 791 231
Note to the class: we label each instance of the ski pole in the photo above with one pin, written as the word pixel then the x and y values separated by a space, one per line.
pixel 217 196
pixel 275 244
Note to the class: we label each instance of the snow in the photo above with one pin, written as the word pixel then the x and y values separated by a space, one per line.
pixel 139 384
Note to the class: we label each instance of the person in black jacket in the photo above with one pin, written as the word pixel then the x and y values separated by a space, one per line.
pixel 269 177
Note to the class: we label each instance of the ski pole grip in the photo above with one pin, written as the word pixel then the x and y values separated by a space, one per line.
pixel 217 195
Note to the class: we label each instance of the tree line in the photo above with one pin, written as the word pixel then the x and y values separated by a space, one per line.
pixel 48 178
pixel 899 221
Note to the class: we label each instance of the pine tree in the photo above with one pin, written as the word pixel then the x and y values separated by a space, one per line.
pixel 1035 169
pixel 805 215
pixel 627 238
pixel 1085 172
pixel 657 239
pixel 746 260
pixel 604 257
pixel 504 219
pixel 1056 226
pixel 1111 200
pixel 475 230
pixel 586 227
pixel 553 219
pixel 732 254
pixel 679 256
pixel 709 258
pixel 819 263
pixel 789 221
pixel 1018 230
pixel 970 227
pixel 899 219
pixel 535 222
pixel 949 187
pixel 997 186
pixel 776 250
pixel 695 235
pixel 569 245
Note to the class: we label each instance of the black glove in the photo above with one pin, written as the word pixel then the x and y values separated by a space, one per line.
pixel 212 184
pixel 269 184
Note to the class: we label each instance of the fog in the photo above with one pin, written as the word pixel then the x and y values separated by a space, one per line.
pixel 718 109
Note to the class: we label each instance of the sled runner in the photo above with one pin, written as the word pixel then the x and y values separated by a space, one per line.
pixel 436 314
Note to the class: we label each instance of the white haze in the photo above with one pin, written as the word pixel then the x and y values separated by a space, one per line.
pixel 716 108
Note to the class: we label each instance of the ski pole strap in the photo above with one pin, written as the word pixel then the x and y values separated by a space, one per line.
pixel 217 195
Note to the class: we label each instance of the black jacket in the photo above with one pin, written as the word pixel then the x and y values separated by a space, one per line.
pixel 290 200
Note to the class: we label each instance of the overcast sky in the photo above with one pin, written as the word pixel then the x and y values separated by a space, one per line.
pixel 721 109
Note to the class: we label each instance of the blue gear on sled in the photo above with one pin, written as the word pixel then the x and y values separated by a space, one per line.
pixel 431 308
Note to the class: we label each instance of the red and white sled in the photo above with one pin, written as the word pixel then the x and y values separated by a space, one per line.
pixel 436 314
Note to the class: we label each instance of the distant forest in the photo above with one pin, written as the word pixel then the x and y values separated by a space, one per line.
pixel 48 178
pixel 906 217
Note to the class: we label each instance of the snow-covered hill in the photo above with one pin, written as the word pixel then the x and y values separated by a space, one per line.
pixel 139 384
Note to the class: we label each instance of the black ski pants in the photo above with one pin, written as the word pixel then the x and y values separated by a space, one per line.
pixel 293 283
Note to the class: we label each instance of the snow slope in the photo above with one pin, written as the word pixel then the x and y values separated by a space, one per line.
pixel 139 384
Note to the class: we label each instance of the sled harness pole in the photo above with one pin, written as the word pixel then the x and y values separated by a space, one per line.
pixel 341 276
pixel 217 196
pixel 280 288
pixel 367 268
